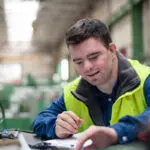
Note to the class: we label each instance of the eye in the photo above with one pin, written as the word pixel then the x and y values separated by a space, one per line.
pixel 78 62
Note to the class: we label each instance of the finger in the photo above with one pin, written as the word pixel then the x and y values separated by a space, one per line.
pixel 69 119
pixel 66 126
pixel 62 132
pixel 73 115
pixel 81 141
pixel 91 147
pixel 80 121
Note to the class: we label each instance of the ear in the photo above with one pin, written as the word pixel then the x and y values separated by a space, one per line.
pixel 112 47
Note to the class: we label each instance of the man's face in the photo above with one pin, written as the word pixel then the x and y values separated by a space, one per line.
pixel 93 61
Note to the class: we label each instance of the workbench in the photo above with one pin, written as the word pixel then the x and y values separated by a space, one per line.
pixel 32 139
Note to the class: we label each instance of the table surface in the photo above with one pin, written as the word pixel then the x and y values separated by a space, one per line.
pixel 31 139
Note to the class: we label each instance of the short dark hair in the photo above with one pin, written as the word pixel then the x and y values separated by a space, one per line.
pixel 86 28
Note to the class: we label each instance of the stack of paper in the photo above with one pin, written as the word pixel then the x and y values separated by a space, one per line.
pixel 68 143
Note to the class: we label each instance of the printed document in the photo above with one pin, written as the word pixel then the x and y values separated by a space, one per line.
pixel 68 142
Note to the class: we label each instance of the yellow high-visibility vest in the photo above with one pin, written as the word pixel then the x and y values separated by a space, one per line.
pixel 131 103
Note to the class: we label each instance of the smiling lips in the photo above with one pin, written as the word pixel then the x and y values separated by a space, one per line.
pixel 93 74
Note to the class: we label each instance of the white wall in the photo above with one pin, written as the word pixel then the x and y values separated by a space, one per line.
pixel 122 34
pixel 121 31
pixel 116 4
pixel 146 28
pixel 102 10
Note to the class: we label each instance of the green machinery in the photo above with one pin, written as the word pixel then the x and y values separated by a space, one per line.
pixel 15 122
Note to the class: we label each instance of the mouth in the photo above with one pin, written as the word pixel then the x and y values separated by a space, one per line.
pixel 91 75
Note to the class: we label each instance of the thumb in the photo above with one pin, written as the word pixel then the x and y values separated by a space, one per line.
pixel 80 121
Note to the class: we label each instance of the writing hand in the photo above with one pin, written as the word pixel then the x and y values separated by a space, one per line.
pixel 67 124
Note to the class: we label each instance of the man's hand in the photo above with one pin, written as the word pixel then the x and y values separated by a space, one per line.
pixel 67 123
pixel 100 136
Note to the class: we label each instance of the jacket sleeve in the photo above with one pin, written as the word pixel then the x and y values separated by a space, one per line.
pixel 128 127
pixel 44 123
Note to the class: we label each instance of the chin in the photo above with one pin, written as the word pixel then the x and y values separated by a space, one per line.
pixel 91 82
pixel 95 83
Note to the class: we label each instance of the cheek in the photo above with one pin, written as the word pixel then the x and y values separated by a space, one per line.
pixel 79 69
pixel 101 65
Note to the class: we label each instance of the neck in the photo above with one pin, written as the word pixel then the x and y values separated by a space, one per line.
pixel 109 85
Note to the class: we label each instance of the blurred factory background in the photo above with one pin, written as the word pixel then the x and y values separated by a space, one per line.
pixel 34 62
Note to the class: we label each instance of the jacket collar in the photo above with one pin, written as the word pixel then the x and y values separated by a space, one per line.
pixel 84 94
pixel 128 79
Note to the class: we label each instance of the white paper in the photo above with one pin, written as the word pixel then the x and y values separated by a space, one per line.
pixel 68 142
pixel 24 145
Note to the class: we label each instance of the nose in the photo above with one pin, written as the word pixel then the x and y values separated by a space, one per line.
pixel 87 66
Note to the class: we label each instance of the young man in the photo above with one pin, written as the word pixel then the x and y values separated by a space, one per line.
pixel 113 93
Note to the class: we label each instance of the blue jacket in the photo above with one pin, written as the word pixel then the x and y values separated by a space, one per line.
pixel 127 128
